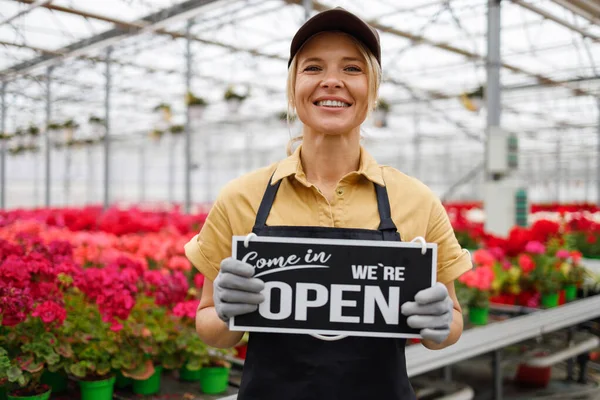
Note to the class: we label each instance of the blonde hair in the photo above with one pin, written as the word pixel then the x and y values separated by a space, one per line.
pixel 373 79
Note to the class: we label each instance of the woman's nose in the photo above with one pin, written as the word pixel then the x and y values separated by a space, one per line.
pixel 332 80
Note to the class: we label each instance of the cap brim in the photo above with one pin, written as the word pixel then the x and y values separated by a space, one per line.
pixel 340 20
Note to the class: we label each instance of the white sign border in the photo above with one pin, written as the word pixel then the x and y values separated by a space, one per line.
pixel 335 242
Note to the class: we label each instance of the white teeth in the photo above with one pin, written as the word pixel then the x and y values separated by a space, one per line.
pixel 332 103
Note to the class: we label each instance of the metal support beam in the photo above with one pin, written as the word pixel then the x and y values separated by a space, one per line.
pixel 188 134
pixel 556 19
pixel 3 146
pixel 35 5
pixel 598 154
pixel 47 135
pixel 493 63
pixel 419 39
pixel 107 131
pixel 111 36
pixel 558 172
pixel 492 93
pixel 307 4
pixel 497 368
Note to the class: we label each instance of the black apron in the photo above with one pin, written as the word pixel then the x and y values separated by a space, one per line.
pixel 301 367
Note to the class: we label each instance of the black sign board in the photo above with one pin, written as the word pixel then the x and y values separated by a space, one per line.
pixel 335 287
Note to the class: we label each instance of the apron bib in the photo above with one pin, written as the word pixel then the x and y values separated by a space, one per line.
pixel 301 367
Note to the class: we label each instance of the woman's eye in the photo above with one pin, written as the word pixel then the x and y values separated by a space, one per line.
pixel 312 68
pixel 352 68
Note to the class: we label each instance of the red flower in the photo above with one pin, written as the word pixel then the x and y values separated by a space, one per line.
pixel 591 239
pixel 526 263
pixel 50 312
pixel 576 257
pixel 199 280
pixel 542 230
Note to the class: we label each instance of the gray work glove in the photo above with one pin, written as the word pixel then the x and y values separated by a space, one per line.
pixel 431 312
pixel 235 291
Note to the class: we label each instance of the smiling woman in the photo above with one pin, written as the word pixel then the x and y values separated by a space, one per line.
pixel 328 188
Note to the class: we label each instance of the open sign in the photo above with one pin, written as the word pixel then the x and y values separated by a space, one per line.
pixel 335 286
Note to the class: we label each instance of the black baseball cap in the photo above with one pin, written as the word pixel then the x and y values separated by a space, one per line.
pixel 337 19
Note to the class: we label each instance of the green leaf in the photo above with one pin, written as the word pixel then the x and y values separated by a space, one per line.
pixel 23 380
pixel 14 373
pixel 103 368
pixel 35 367
pixel 194 365
pixel 65 350
pixel 78 369
pixel 52 358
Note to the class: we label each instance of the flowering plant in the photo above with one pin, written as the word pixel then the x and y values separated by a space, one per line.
pixel 85 340
pixel 545 275
pixel 583 234
pixel 31 310
pixel 477 283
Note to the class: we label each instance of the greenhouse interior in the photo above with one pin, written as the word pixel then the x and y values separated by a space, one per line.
pixel 122 122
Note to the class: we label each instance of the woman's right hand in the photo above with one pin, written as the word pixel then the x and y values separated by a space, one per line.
pixel 235 291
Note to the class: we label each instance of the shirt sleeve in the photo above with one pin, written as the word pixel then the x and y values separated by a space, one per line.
pixel 452 260
pixel 207 249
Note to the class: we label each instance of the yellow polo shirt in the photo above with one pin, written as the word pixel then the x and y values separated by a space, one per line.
pixel 415 209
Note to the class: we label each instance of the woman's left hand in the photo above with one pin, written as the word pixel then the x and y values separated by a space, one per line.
pixel 431 312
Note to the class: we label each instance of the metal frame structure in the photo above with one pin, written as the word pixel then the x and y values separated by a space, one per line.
pixel 197 23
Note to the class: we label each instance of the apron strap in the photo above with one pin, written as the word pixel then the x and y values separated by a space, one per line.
pixel 386 226
pixel 266 203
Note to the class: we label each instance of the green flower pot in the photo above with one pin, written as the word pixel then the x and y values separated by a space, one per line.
pixel 43 396
pixel 56 380
pixel 97 390
pixel 479 315
pixel 122 381
pixel 570 292
pixel 550 300
pixel 214 380
pixel 150 385
pixel 188 375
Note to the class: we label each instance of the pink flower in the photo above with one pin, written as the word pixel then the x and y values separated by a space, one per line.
pixel 480 278
pixel 50 312
pixel 179 263
pixel 483 257
pixel 535 247
pixel 497 253
pixel 562 254
pixel 186 309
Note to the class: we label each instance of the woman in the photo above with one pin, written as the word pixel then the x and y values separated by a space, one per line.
pixel 330 187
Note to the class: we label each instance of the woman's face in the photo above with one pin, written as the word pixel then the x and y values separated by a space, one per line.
pixel 331 84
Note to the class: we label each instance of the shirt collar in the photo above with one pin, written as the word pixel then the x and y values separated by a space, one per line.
pixel 292 165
